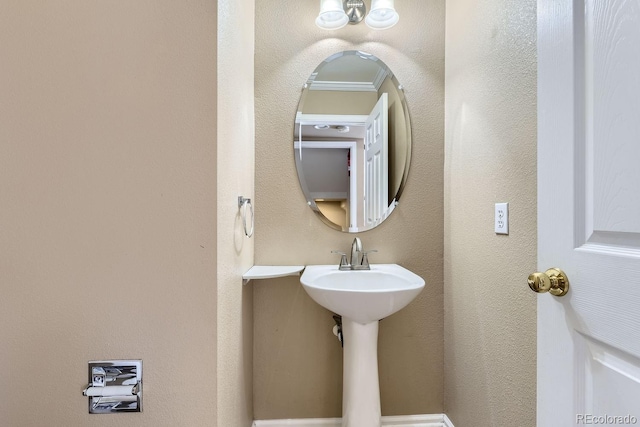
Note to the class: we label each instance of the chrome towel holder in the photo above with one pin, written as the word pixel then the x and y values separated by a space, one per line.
pixel 245 205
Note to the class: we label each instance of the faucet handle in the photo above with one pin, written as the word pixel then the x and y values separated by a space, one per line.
pixel 365 259
pixel 344 264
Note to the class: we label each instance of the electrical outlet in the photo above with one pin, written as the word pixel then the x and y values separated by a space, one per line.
pixel 502 218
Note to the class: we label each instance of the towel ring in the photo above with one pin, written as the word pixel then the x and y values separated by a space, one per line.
pixel 243 205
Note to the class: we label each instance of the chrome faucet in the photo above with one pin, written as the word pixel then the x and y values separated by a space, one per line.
pixel 356 247
pixel 355 263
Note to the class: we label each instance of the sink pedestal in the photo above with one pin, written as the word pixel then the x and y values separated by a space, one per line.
pixel 360 385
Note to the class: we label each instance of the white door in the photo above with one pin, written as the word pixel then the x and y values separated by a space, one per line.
pixel 589 211
pixel 376 179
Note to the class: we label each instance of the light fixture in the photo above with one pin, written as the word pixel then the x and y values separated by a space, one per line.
pixel 355 10
pixel 332 15
pixel 335 14
pixel 383 15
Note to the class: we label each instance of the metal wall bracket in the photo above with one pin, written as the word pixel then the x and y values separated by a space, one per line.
pixel 114 386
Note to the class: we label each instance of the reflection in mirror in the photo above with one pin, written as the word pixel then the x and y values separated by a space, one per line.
pixel 352 141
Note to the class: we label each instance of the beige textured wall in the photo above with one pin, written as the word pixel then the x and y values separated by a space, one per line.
pixel 235 178
pixel 490 315
pixel 335 102
pixel 108 212
pixel 297 360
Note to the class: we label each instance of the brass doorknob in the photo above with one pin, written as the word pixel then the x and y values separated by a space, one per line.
pixel 554 281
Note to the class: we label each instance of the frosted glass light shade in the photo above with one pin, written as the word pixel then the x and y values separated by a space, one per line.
pixel 332 15
pixel 383 15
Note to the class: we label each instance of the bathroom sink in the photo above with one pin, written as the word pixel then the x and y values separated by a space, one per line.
pixel 363 296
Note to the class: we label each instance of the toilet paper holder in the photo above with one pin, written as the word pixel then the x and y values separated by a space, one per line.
pixel 114 386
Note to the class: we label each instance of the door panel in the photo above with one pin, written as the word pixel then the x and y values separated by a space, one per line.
pixel 589 209
pixel 611 86
pixel 376 149
pixel 611 378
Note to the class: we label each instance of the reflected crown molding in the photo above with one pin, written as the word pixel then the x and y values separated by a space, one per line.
pixel 351 85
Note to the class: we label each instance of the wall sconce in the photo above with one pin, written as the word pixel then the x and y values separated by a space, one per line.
pixel 335 14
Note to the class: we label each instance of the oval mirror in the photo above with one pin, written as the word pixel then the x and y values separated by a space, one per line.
pixel 352 141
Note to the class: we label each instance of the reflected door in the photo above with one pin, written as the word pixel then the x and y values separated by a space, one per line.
pixel 589 211
pixel 376 147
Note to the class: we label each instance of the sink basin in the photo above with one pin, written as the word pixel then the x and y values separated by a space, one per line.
pixel 363 296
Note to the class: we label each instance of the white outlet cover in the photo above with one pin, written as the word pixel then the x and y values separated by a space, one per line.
pixel 501 220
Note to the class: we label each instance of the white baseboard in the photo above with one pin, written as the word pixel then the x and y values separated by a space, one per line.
pixel 447 421
pixel 435 420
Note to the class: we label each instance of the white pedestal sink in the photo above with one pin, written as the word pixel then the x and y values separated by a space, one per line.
pixel 362 298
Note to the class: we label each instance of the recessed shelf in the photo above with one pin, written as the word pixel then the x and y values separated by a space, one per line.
pixel 271 271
